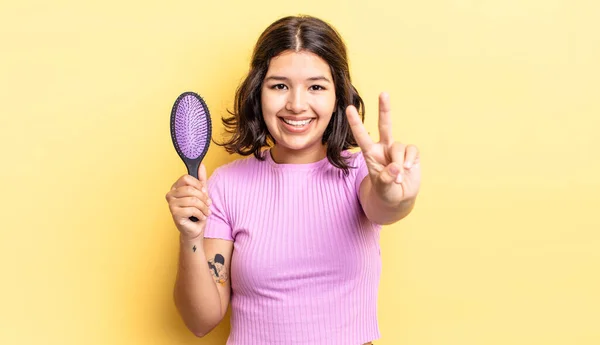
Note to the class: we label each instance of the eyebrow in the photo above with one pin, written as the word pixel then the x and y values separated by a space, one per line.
pixel 275 77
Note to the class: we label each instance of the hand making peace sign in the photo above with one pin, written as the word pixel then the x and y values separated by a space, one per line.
pixel 394 167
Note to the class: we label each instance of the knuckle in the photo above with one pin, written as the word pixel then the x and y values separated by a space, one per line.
pixel 187 180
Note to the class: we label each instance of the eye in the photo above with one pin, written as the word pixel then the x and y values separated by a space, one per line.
pixel 316 88
pixel 279 87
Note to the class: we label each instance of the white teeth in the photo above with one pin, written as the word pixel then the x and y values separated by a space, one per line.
pixel 297 123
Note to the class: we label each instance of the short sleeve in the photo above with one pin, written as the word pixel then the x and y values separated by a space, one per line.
pixel 217 224
pixel 361 170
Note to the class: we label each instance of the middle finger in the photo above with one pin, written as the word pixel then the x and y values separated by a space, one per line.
pixel 192 201
pixel 188 191
pixel 385 119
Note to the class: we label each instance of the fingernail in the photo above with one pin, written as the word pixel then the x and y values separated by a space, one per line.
pixel 203 190
pixel 399 179
pixel 408 165
pixel 394 169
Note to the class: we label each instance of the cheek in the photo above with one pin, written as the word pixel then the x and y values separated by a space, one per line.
pixel 325 106
pixel 271 103
pixel 269 112
pixel 264 104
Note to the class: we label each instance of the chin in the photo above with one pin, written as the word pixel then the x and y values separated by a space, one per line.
pixel 296 145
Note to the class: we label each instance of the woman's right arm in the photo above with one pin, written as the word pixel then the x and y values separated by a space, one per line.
pixel 202 286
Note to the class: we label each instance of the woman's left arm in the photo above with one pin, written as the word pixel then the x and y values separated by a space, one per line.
pixel 388 193
pixel 380 211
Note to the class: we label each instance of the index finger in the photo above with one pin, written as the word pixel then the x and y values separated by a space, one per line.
pixel 358 129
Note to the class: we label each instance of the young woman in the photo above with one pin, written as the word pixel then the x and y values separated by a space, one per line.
pixel 290 232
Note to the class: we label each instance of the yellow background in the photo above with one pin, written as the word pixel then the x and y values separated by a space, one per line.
pixel 502 98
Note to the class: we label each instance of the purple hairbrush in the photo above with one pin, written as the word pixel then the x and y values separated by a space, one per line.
pixel 191 131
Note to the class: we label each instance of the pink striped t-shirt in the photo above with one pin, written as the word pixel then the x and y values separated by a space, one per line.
pixel 306 261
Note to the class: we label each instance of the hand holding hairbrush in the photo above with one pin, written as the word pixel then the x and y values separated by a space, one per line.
pixel 191 131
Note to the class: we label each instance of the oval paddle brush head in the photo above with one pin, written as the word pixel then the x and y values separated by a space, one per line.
pixel 191 131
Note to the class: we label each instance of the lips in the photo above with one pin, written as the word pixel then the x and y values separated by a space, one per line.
pixel 296 125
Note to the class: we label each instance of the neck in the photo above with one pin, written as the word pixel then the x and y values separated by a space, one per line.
pixel 282 155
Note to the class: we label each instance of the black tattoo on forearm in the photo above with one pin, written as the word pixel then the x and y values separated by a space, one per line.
pixel 217 269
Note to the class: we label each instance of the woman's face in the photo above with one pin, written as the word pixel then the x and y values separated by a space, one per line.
pixel 298 99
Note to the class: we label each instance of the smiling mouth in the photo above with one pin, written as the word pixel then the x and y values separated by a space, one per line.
pixel 298 124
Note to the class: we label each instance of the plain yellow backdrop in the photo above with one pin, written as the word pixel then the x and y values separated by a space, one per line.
pixel 501 97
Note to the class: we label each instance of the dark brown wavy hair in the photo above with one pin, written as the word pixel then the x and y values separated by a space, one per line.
pixel 249 133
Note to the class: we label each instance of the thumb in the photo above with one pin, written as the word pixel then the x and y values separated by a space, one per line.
pixel 390 174
pixel 202 173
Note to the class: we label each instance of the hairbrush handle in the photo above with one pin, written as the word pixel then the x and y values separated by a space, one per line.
pixel 193 167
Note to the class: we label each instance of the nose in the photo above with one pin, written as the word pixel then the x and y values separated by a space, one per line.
pixel 297 102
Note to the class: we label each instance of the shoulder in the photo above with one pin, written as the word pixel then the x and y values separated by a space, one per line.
pixel 227 180
pixel 358 169
pixel 355 161
pixel 235 169
pixel 354 158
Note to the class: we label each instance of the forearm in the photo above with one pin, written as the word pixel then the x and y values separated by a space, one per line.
pixel 382 212
pixel 196 295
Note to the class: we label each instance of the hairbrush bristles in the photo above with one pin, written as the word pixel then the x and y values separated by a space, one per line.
pixel 191 129
pixel 191 126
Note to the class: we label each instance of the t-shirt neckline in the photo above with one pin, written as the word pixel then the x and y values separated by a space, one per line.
pixel 293 166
